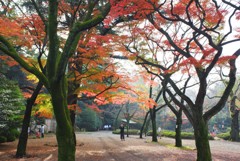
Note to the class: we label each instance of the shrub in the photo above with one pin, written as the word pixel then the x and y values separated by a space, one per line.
pixel 88 119
pixel 15 133
pixel 225 136
pixel 149 133
pixel 184 135
pixel 11 105
pixel 11 138
pixel 187 135
pixel 3 139
pixel 210 137
pixel 166 133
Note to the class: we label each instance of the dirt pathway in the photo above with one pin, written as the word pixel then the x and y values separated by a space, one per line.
pixel 104 146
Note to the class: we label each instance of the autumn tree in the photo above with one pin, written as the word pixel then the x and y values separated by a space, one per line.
pixel 92 71
pixel 233 107
pixel 190 32
pixel 21 41
pixel 154 107
pixel 54 78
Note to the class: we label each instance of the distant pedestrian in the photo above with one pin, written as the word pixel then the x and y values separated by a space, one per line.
pixel 37 131
pixel 42 131
pixel 122 132
pixel 29 130
pixel 159 132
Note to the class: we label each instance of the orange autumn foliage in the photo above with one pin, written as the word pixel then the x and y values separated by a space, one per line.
pixel 13 30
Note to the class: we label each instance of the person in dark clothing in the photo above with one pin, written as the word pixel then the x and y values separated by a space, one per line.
pixel 42 131
pixel 121 132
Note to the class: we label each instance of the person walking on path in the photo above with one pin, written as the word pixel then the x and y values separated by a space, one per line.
pixel 122 132
pixel 42 131
pixel 159 132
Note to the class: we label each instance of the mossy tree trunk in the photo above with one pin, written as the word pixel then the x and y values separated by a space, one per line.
pixel 178 129
pixel 201 140
pixel 178 114
pixel 72 100
pixel 64 131
pixel 22 142
pixel 154 126
pixel 234 134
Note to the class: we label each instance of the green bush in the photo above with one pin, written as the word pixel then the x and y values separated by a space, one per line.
pixel 15 133
pixel 116 131
pixel 225 136
pixel 3 139
pixel 10 135
pixel 187 135
pixel 11 138
pixel 184 135
pixel 88 119
pixel 210 137
pixel 166 133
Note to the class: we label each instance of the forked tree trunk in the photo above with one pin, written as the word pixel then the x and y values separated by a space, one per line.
pixel 201 140
pixel 22 142
pixel 178 138
pixel 64 132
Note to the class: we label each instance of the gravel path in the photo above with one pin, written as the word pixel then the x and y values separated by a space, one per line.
pixel 105 146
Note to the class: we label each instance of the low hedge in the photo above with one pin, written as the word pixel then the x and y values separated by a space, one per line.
pixel 184 135
pixel 225 136
pixel 3 139
pixel 11 138
pixel 130 131
pixel 9 135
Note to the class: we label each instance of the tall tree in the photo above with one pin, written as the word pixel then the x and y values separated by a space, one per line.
pixel 233 108
pixel 54 79
pixel 20 44
pixel 189 39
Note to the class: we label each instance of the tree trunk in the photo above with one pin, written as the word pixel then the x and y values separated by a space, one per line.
pixel 235 126
pixel 72 100
pixel 64 132
pixel 234 134
pixel 154 126
pixel 22 142
pixel 116 119
pixel 146 126
pixel 201 140
pixel 127 128
pixel 178 138
pixel 144 122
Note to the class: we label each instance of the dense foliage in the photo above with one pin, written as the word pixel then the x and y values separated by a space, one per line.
pixel 11 107
pixel 88 120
